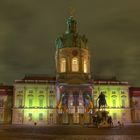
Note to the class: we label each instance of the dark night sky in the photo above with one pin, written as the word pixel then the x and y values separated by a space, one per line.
pixel 28 29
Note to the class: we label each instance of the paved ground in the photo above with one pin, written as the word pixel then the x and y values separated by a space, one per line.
pixel 20 132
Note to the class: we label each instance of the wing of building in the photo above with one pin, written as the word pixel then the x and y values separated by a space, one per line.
pixel 34 100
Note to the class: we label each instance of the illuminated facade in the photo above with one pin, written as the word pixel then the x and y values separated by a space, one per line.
pixel 74 87
pixel 6 94
pixel 117 98
pixel 34 101
pixel 72 96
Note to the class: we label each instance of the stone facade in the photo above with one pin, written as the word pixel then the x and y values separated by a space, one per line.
pixel 117 99
pixel 34 101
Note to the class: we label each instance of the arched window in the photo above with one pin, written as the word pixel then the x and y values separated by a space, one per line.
pixel 85 66
pixel 63 65
pixel 75 64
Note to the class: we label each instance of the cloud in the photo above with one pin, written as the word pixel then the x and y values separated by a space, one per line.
pixel 28 30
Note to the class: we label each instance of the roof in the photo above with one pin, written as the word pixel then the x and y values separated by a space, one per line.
pixel 134 91
pixel 6 90
pixel 36 78
pixel 108 81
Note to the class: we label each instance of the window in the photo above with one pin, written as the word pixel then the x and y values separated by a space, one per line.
pixel 41 100
pixel 114 103
pixel 30 100
pixel 85 66
pixel 41 91
pixel 51 101
pixel 113 92
pixel 114 98
pixel 19 100
pixel 20 91
pixel 122 91
pixel 75 65
pixel 30 116
pixel 30 91
pixel 123 101
pixel 1 102
pixel 63 65
pixel 51 91
pixel 40 116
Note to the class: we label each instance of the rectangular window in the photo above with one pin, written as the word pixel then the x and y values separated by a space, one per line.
pixel 122 91
pixel 20 102
pixel 30 91
pixel 41 102
pixel 40 116
pixel 51 101
pixel 41 91
pixel 123 103
pixel 20 91
pixel 30 116
pixel 51 91
pixel 114 103
pixel 113 92
pixel 30 102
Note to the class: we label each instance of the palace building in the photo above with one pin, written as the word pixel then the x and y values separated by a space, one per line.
pixel 70 97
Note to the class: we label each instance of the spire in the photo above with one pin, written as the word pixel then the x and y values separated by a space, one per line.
pixel 71 25
pixel 71 22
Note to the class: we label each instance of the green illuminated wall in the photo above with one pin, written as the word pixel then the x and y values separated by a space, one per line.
pixel 119 93
pixel 34 103
pixel 117 98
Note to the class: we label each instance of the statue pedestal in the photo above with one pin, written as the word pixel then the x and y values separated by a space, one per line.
pixel 100 119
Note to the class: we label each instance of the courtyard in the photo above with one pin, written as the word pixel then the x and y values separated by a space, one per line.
pixel 20 132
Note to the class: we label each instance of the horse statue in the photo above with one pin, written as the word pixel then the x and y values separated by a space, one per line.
pixel 102 100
